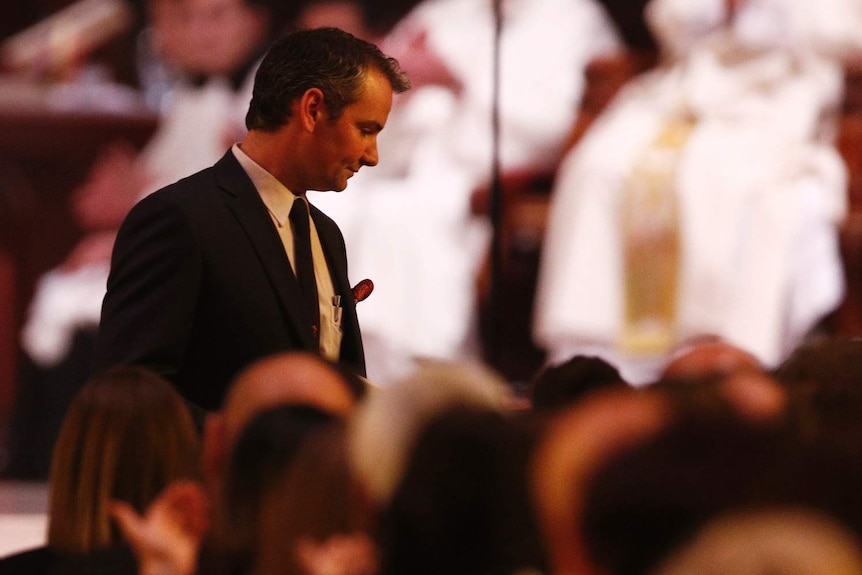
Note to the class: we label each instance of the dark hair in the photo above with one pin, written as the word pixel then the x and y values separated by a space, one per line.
pixel 330 59
pixel 462 505
pixel 312 500
pixel 561 385
pixel 265 448
pixel 823 381
pixel 652 497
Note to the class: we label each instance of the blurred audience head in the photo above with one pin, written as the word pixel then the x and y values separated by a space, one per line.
pixel 576 442
pixel 297 378
pixel 561 385
pixel 462 505
pixel 783 540
pixel 126 435
pixel 710 357
pixel 652 497
pixel 383 430
pixel 823 383
pixel 712 370
pixel 265 449
pixel 309 522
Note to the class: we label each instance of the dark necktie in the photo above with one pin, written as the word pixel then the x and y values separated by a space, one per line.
pixel 303 263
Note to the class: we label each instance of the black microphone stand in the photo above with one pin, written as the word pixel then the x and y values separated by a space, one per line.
pixel 494 335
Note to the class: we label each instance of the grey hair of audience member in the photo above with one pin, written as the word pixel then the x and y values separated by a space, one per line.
pixel 384 428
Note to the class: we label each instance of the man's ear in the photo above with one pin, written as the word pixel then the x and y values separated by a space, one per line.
pixel 311 108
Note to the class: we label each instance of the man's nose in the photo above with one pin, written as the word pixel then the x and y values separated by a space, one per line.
pixel 370 158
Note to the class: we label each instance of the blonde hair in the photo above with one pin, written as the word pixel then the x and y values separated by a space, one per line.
pixel 779 541
pixel 126 435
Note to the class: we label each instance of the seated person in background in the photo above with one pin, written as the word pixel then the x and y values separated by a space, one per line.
pixel 708 370
pixel 191 44
pixel 265 451
pixel 126 436
pixel 175 531
pixel 557 386
pixel 707 197
pixel 309 521
pixel 212 48
pixel 59 334
pixel 784 540
pixel 462 505
pixel 707 357
pixel 650 499
pixel 822 382
pixel 382 431
pixel 625 477
pixel 575 442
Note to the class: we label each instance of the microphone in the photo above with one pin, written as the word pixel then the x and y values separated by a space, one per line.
pixel 362 290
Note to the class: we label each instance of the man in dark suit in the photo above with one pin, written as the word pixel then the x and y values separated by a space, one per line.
pixel 203 276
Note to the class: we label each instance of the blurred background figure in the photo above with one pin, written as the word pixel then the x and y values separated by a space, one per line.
pixel 823 383
pixel 625 479
pixel 383 430
pixel 292 378
pixel 196 62
pixel 437 458
pixel 249 447
pixel 557 386
pixel 267 450
pixel 126 436
pixel 309 522
pixel 61 46
pixel 780 540
pixel 707 198
pixel 411 225
pixel 462 504
pixel 652 498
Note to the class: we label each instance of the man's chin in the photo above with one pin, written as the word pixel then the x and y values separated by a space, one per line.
pixel 337 188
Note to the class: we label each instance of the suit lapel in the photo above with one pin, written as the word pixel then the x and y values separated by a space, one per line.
pixel 248 208
pixel 334 256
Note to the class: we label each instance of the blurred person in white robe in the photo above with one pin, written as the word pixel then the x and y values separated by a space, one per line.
pixel 209 50
pixel 747 93
pixel 410 225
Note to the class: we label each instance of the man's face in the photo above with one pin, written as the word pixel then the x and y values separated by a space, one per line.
pixel 344 145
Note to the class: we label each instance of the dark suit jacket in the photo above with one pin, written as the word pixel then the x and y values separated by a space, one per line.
pixel 200 286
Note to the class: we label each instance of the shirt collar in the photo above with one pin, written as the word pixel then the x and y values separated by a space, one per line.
pixel 277 198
